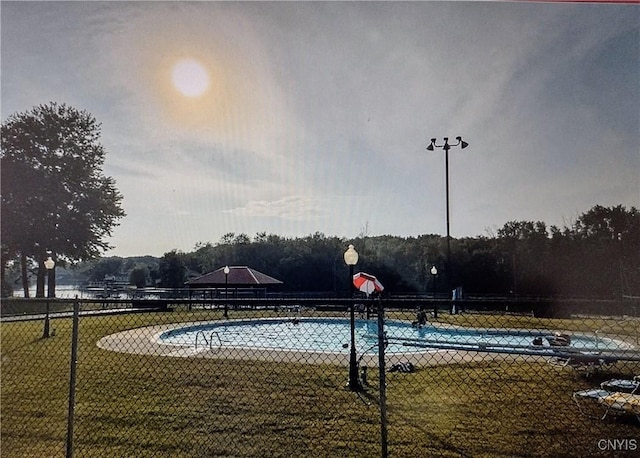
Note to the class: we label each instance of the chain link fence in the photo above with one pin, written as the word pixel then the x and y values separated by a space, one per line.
pixel 278 378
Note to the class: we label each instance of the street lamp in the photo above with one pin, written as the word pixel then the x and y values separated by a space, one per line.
pixel 49 264
pixel 446 147
pixel 226 291
pixel 351 259
pixel 434 272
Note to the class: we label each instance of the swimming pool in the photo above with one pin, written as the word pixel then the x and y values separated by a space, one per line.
pixel 332 336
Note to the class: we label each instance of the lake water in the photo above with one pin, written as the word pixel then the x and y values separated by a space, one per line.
pixel 72 291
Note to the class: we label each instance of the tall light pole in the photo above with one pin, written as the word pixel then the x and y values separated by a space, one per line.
pixel 49 264
pixel 446 147
pixel 351 259
pixel 226 291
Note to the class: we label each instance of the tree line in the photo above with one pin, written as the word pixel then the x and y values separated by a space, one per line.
pixel 597 256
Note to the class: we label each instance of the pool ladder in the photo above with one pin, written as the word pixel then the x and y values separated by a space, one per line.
pixel 208 341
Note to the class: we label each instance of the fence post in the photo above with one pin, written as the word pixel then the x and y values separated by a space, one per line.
pixel 382 342
pixel 72 378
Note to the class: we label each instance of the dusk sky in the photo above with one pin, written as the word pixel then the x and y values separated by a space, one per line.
pixel 296 118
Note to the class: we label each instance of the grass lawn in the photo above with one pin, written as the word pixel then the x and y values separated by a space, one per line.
pixel 141 405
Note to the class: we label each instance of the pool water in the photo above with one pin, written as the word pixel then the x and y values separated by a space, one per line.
pixel 333 335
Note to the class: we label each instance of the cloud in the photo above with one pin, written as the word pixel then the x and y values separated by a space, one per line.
pixel 298 208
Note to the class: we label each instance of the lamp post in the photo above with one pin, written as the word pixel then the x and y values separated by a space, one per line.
pixel 351 259
pixel 434 272
pixel 226 291
pixel 446 147
pixel 49 264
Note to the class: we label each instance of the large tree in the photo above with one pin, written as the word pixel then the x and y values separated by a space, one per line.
pixel 55 196
pixel 610 238
pixel 172 270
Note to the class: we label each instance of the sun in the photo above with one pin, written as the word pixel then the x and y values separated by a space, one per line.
pixel 190 77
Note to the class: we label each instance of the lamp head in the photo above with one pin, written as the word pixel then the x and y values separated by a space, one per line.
pixel 49 263
pixel 430 147
pixel 434 270
pixel 226 270
pixel 351 256
pixel 462 143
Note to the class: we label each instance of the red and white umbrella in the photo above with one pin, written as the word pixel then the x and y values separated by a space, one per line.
pixel 367 283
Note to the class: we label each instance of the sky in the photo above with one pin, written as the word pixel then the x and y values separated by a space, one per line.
pixel 293 118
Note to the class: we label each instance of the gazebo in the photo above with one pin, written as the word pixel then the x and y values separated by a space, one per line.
pixel 241 279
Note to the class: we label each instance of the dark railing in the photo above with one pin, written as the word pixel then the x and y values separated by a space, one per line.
pixel 535 306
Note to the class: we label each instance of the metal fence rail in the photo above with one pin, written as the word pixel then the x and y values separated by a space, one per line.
pixel 176 378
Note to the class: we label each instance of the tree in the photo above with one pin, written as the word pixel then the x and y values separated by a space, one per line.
pixel 172 270
pixel 138 276
pixel 525 247
pixel 55 197
pixel 104 267
pixel 608 223
pixel 607 242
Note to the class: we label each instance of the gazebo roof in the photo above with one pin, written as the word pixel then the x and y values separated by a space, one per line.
pixel 238 276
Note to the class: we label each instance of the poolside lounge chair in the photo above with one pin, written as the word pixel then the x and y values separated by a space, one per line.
pixel 621 385
pixel 622 403
pixel 612 401
pixel 586 398
pixel 584 362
